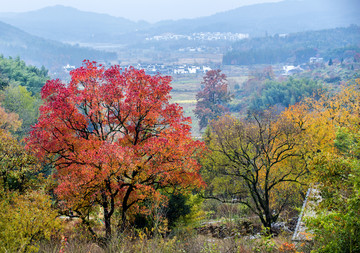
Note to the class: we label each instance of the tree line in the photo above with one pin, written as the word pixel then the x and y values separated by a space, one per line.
pixel 267 159
pixel 295 48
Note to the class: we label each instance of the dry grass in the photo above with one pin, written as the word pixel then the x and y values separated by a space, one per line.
pixel 186 240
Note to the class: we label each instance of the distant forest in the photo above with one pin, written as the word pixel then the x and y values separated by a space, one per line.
pixel 295 48
pixel 38 51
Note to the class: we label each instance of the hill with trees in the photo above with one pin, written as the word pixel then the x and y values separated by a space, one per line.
pixel 19 91
pixel 54 23
pixel 256 20
pixel 16 71
pixel 296 48
pixel 38 51
pixel 271 18
pixel 105 161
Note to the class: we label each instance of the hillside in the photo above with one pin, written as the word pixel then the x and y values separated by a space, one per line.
pixel 38 51
pixel 15 71
pixel 69 24
pixel 296 48
pixel 270 18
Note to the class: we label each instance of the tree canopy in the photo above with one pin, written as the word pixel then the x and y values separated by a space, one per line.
pixel 115 140
pixel 211 100
pixel 17 99
pixel 285 93
pixel 16 71
pixel 26 214
pixel 259 161
pixel 332 124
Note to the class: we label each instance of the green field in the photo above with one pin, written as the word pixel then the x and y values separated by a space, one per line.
pixel 185 89
pixel 184 93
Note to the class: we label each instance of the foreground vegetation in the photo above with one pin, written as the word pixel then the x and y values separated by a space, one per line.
pixel 106 171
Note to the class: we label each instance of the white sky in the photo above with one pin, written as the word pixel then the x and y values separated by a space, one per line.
pixel 149 10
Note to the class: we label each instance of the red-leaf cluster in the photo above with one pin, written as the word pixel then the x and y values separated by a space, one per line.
pixel 114 135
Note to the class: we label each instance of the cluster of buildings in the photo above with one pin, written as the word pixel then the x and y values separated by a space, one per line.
pixel 173 69
pixel 203 36
pixel 313 61
pixel 68 68
pixel 185 69
pixel 153 69
pixel 290 70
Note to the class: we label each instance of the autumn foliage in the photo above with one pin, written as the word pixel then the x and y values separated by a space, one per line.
pixel 257 161
pixel 26 214
pixel 115 140
pixel 8 121
pixel 211 100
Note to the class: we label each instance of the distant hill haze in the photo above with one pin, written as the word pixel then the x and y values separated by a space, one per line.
pixel 69 24
pixel 38 51
pixel 281 17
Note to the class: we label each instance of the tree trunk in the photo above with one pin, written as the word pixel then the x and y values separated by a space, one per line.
pixel 268 224
pixel 125 207
pixel 107 217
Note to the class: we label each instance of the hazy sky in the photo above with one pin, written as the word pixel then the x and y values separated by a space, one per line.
pixel 149 10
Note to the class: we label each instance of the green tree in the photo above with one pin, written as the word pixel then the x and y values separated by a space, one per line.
pixel 17 72
pixel 4 81
pixel 284 94
pixel 16 99
pixel 336 227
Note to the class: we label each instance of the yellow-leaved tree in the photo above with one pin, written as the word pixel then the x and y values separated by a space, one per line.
pixel 332 126
pixel 258 162
pixel 26 215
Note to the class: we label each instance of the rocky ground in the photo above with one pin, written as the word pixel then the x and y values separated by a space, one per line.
pixel 243 228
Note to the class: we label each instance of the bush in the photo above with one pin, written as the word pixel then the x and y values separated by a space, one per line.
pixel 25 220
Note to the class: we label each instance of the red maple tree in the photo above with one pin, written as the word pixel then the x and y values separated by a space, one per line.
pixel 115 140
pixel 211 100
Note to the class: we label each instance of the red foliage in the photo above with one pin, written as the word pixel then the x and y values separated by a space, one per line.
pixel 211 100
pixel 114 138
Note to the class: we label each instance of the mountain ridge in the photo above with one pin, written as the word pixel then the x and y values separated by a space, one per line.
pixel 257 20
pixel 54 22
pixel 38 51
